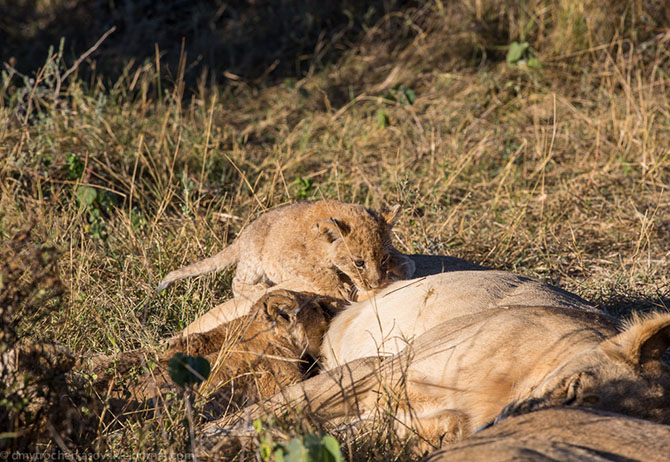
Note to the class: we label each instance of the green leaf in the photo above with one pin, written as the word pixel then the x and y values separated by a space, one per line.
pixel 86 196
pixel 382 119
pixel 295 451
pixel 311 448
pixel 266 451
pixel 74 166
pixel 516 51
pixel 390 96
pixel 410 95
pixel 304 186
pixel 258 425
pixel 313 445
pixel 187 370
pixel 332 447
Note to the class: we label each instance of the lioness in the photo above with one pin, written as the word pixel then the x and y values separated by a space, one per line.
pixel 334 248
pixel 564 434
pixel 459 375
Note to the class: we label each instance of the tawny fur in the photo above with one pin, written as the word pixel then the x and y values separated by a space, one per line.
pixel 563 434
pixel 425 266
pixel 383 322
pixel 334 248
pixel 403 311
pixel 251 357
pixel 461 374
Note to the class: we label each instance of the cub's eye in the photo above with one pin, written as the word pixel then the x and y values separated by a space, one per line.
pixel 359 263
pixel 384 259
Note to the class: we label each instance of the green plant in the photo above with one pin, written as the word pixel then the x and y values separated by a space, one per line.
pixel 74 166
pixel 303 188
pixel 382 119
pixel 307 448
pixel 402 94
pixel 520 54
pixel 93 202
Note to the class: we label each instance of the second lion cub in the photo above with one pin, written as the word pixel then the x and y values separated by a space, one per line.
pixel 332 247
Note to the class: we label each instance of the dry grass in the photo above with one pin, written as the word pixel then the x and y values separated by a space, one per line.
pixel 561 172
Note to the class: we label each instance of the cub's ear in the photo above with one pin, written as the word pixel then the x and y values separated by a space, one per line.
pixel 332 229
pixel 390 214
pixel 644 340
pixel 280 313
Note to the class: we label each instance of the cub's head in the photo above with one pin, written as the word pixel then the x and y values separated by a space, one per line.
pixel 624 374
pixel 359 244
pixel 304 317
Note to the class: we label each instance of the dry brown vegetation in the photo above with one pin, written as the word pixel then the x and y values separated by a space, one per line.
pixel 559 171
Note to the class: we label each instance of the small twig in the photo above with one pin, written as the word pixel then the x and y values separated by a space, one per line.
pixel 226 216
pixel 77 183
pixel 246 181
pixel 81 59
pixel 12 70
pixel 208 132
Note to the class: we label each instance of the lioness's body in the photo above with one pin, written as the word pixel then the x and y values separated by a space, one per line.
pixel 462 373
pixel 384 324
pixel 329 247
pixel 563 434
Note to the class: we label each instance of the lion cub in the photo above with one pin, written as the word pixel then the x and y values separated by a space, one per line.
pixel 252 357
pixel 334 248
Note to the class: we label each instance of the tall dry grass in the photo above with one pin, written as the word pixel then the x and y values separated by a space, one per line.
pixel 559 172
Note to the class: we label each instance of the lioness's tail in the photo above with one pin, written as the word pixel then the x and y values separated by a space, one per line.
pixel 221 260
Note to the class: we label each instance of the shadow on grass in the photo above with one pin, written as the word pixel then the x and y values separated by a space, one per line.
pixel 624 305
pixel 254 40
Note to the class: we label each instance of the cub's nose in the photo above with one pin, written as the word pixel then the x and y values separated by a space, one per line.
pixel 376 281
